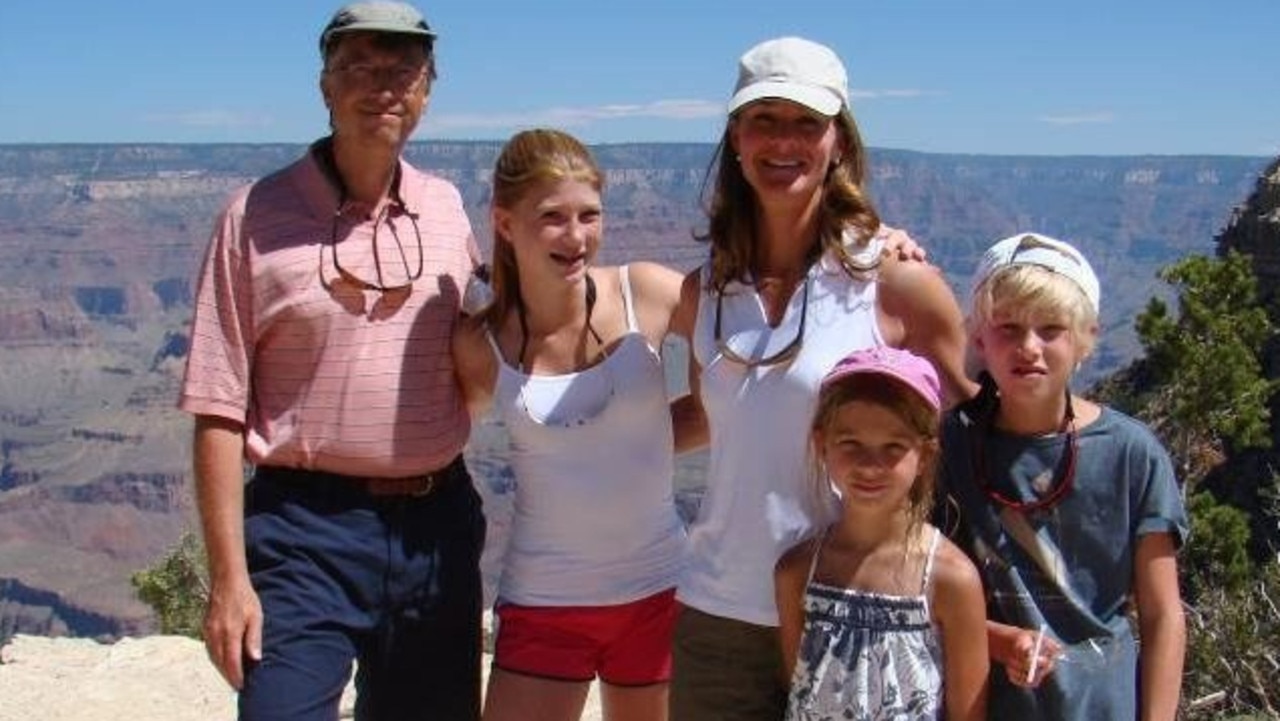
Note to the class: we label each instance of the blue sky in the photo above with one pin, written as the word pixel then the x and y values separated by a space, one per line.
pixel 1108 77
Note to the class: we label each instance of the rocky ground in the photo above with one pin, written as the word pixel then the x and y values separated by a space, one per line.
pixel 156 678
pixel 167 678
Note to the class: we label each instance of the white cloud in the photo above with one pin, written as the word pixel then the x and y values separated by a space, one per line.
pixel 568 117
pixel 1103 116
pixel 571 117
pixel 211 119
pixel 861 94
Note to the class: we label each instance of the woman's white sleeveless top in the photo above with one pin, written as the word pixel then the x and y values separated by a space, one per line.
pixel 756 504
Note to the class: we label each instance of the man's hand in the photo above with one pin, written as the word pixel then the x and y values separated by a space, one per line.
pixel 233 629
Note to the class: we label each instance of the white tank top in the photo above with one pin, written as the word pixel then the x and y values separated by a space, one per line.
pixel 756 505
pixel 594 518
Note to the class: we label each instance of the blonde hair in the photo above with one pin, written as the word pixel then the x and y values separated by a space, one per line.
pixel 530 159
pixel 919 417
pixel 732 209
pixel 1029 294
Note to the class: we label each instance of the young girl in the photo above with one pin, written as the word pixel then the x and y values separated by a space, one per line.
pixel 1069 509
pixel 567 355
pixel 881 617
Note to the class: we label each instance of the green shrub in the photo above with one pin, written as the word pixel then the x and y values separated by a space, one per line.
pixel 1218 553
pixel 177 588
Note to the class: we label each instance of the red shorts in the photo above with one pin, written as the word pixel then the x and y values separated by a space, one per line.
pixel 625 645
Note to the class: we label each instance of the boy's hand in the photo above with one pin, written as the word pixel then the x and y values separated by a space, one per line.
pixel 1030 662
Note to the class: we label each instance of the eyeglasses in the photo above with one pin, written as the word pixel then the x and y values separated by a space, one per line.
pixel 1063 478
pixel 782 356
pixel 346 280
pixel 400 75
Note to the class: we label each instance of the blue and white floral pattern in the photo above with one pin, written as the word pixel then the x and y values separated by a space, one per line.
pixel 866 657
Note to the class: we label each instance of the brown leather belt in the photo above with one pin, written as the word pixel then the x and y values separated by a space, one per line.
pixel 423 485
pixel 413 486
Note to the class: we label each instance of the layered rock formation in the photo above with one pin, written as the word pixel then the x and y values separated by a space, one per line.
pixel 1254 229
pixel 99 245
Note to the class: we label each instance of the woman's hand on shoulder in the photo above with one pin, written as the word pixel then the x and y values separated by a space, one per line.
pixel 898 244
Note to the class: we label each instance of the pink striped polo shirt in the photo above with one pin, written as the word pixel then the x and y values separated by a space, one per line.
pixel 334 378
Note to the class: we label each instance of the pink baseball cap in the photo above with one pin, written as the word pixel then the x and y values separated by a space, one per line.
pixel 911 370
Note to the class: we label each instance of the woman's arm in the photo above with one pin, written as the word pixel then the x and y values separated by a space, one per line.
pixel 662 309
pixel 919 312
pixel 960 612
pixel 688 417
pixel 1162 625
pixel 688 422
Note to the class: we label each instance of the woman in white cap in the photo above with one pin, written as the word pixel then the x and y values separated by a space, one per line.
pixel 797 278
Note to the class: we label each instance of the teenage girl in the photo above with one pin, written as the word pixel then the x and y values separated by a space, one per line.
pixel 567 355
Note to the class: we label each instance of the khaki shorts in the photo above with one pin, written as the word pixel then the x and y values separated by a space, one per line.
pixel 725 670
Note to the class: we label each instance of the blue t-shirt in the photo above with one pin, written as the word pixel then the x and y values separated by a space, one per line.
pixel 1068 566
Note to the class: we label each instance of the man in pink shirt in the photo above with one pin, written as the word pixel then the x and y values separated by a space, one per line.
pixel 320 355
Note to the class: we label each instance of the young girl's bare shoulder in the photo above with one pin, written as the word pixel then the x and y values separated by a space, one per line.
pixel 797 559
pixel 953 572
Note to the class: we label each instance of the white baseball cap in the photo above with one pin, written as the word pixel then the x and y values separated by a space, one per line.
pixel 1040 250
pixel 794 69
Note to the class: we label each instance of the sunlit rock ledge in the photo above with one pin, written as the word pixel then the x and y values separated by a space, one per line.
pixel 152 678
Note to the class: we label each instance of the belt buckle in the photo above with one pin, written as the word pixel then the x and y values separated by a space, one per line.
pixel 427 488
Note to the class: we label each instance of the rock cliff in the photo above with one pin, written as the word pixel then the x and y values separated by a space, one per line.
pixel 1254 230
pixel 99 245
